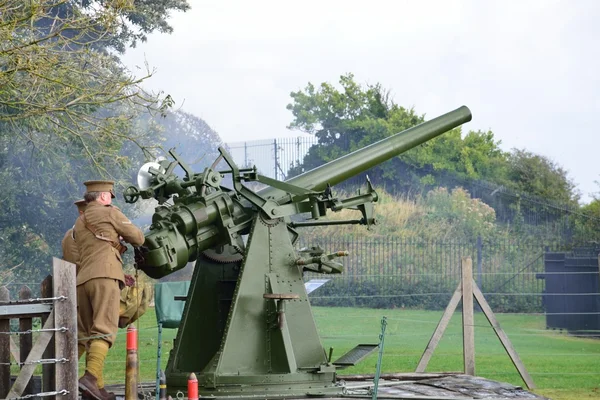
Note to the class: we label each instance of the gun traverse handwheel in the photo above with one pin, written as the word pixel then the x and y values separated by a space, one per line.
pixel 131 194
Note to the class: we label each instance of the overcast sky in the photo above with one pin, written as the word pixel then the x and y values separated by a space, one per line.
pixel 528 70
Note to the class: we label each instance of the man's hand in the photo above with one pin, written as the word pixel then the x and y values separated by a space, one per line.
pixel 129 280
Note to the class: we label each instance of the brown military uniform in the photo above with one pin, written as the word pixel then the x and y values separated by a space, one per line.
pixel 100 276
pixel 69 247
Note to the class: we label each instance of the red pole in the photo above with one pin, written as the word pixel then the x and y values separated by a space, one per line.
pixel 131 364
pixel 192 387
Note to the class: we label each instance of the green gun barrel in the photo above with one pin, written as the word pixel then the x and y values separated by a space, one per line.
pixel 352 164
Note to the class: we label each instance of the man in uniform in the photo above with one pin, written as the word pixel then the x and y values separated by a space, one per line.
pixel 69 247
pixel 98 232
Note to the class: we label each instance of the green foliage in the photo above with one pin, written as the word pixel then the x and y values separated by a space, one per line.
pixel 140 18
pixel 136 19
pixel 356 113
pixel 455 215
pixel 587 224
pixel 539 175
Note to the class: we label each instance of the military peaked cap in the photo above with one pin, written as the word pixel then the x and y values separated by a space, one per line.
pixel 100 186
pixel 81 204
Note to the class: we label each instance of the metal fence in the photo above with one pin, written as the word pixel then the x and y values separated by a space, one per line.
pixel 272 157
pixel 536 216
pixel 403 273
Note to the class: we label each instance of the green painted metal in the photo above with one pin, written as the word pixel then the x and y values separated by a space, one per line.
pixel 247 327
pixel 356 355
pixel 379 359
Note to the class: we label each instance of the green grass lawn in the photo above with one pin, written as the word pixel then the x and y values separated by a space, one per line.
pixel 562 367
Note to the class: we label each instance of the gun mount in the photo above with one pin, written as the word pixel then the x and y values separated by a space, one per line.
pixel 247 327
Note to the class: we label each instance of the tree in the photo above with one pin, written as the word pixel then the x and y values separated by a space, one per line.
pixel 140 18
pixel 68 110
pixel 136 19
pixel 55 87
pixel 540 176
pixel 356 116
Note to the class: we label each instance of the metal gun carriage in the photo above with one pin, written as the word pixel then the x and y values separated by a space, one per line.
pixel 247 327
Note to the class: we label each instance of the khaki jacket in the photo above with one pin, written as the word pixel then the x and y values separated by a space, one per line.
pixel 98 258
pixel 70 250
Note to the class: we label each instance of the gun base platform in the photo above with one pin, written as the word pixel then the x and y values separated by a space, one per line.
pixel 414 386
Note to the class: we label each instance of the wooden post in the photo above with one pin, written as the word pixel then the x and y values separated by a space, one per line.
pixel 25 340
pixel 467 315
pixel 439 331
pixel 4 347
pixel 65 316
pixel 512 353
pixel 14 350
pixel 48 370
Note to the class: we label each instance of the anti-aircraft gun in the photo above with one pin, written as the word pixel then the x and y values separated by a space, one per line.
pixel 247 329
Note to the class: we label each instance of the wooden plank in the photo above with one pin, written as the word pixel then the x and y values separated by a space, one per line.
pixel 24 310
pixel 34 355
pixel 65 316
pixel 14 350
pixel 23 302
pixel 439 330
pixel 399 376
pixel 419 391
pixel 4 348
pixel 25 340
pixel 516 360
pixel 48 370
pixel 467 315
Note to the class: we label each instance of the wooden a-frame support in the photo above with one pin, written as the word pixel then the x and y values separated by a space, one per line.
pixel 466 290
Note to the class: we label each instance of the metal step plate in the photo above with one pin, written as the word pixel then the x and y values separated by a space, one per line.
pixel 355 355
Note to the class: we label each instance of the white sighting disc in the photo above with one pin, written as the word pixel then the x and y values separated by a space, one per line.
pixel 144 178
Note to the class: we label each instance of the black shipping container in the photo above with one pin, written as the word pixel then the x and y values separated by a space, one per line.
pixel 572 291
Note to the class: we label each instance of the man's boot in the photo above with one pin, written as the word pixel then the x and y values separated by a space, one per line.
pixel 92 381
pixel 88 384
pixel 108 395
pixel 103 392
